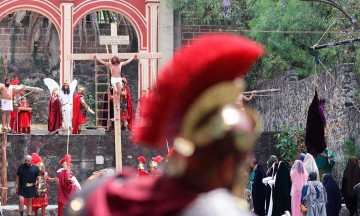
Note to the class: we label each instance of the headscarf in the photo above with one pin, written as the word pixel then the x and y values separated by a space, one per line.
pixel 352 174
pixel 333 204
pixel 298 176
pixel 271 161
pixel 258 191
pixel 310 165
pixel 350 178
pixel 302 157
pixel 281 192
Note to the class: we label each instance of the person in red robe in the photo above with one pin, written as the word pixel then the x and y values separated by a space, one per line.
pixel 66 186
pixel 55 112
pixel 16 96
pixel 126 106
pixel 141 166
pixel 24 116
pixel 193 106
pixel 79 111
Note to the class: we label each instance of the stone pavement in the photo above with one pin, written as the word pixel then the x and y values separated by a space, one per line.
pixel 13 210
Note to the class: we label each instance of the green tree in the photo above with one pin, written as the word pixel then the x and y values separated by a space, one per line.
pixel 287 28
pixel 288 142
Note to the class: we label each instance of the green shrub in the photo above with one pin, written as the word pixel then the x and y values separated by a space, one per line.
pixel 287 142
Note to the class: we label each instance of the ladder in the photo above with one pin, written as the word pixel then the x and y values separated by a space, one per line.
pixel 102 84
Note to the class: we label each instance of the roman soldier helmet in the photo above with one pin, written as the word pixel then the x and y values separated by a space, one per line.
pixel 66 159
pixel 35 159
pixel 156 161
pixel 81 90
pixel 170 153
pixel 14 81
pixel 193 104
pixel 142 162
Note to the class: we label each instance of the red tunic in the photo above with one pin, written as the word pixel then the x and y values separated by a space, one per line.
pixel 13 124
pixel 24 117
pixel 77 113
pixel 142 172
pixel 128 113
pixel 43 199
pixel 55 114
pixel 66 187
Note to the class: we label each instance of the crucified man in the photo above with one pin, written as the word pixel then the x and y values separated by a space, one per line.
pixel 115 65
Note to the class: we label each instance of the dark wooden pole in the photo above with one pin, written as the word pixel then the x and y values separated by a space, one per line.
pixel 4 188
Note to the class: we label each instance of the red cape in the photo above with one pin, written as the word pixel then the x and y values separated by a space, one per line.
pixel 140 196
pixel 65 186
pixel 24 117
pixel 129 115
pixel 55 114
pixel 13 123
pixel 77 114
pixel 142 172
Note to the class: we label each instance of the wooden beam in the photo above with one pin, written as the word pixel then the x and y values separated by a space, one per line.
pixel 4 188
pixel 120 55
pixel 261 91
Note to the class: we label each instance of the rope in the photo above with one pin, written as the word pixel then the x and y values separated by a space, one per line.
pixel 317 43
pixel 68 141
pixel 337 84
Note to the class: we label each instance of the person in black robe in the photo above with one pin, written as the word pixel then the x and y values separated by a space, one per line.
pixel 315 127
pixel 333 192
pixel 270 172
pixel 351 177
pixel 281 192
pixel 258 190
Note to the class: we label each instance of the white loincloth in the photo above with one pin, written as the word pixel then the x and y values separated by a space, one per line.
pixel 115 80
pixel 6 105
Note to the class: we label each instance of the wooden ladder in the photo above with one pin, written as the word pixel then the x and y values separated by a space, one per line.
pixel 102 84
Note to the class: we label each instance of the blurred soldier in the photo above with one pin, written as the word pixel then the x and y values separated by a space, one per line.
pixel 154 165
pixel 66 185
pixel 141 167
pixel 192 106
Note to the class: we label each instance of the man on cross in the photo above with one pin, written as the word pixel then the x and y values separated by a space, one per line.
pixel 115 65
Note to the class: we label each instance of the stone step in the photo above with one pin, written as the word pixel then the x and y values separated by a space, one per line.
pixel 13 210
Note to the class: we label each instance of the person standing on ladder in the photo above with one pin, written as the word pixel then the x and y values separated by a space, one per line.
pixel 115 65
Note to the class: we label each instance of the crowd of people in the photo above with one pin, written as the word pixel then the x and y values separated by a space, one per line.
pixel 297 188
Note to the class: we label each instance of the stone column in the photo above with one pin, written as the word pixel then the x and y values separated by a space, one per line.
pixel 152 15
pixel 66 40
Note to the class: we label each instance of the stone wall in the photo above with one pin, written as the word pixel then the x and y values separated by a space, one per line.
pixel 291 105
pixel 83 148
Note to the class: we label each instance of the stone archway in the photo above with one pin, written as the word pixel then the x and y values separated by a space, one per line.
pixel 45 7
pixel 65 15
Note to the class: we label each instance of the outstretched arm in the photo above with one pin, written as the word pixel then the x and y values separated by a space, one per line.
pixel 101 61
pixel 249 98
pixel 129 60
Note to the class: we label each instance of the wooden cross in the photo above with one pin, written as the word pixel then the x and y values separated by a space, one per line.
pixel 114 41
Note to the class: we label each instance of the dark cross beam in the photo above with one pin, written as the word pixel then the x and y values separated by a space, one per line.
pixel 331 44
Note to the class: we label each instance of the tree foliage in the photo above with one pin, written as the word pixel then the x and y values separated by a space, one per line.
pixel 288 142
pixel 287 28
